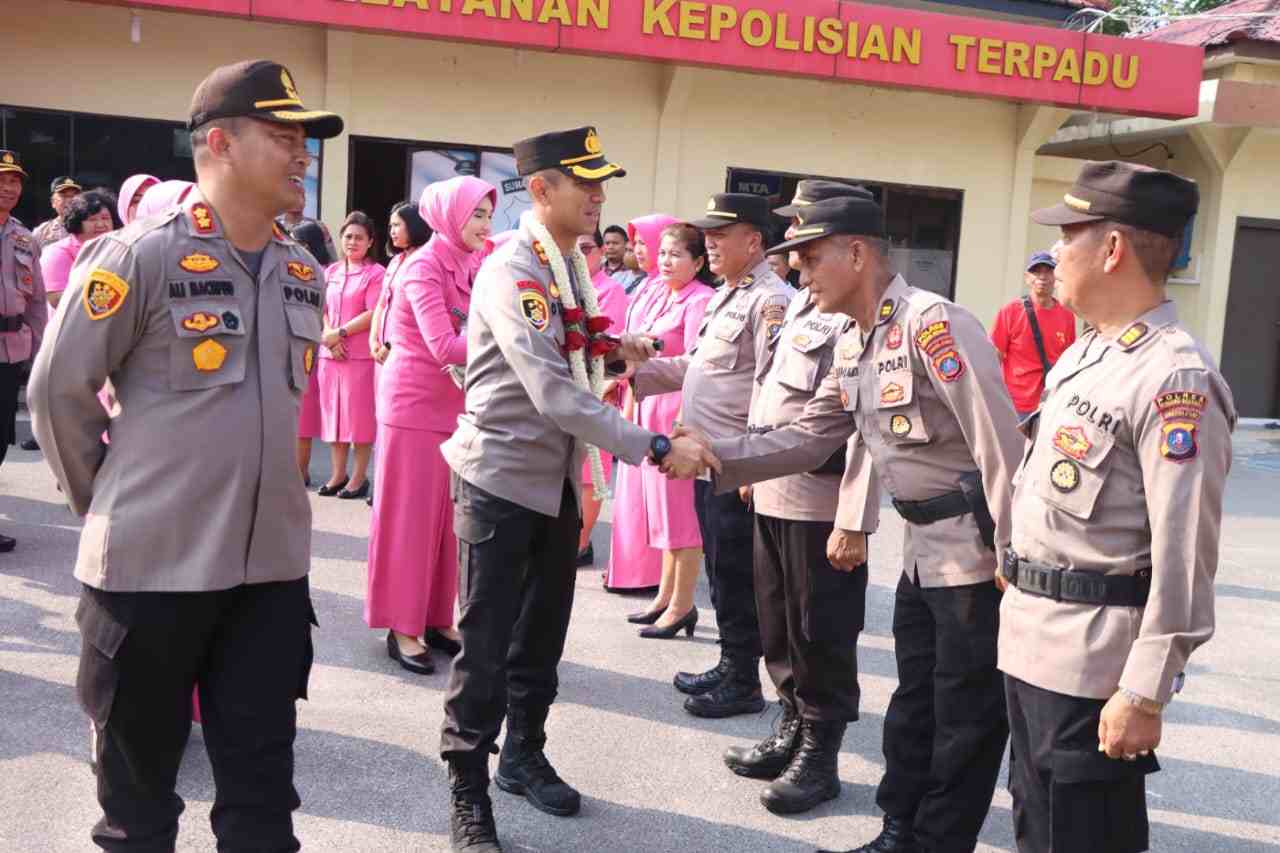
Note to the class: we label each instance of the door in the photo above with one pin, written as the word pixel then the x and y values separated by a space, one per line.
pixel 1251 344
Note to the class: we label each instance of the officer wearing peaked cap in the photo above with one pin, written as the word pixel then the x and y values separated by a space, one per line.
pixel 194 554
pixel 1117 518
pixel 920 383
pixel 811 610
pixel 61 190
pixel 532 408
pixel 23 310
pixel 718 380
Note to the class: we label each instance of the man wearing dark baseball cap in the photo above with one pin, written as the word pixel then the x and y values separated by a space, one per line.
pixel 198 580
pixel 61 190
pixel 1117 519
pixel 1031 333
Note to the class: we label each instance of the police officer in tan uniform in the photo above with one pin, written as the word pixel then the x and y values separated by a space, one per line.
pixel 197 533
pixel 810 611
pixel 63 189
pixel 1117 515
pixel 922 386
pixel 718 381
pixel 23 310
pixel 517 456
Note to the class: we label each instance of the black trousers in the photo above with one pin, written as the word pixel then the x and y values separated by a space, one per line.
pixel 946 727
pixel 1067 796
pixel 727 536
pixel 10 376
pixel 516 577
pixel 249 650
pixel 810 618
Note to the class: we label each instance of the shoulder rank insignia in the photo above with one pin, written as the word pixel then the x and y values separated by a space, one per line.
pixel 747 280
pixel 278 232
pixel 1133 334
pixel 199 262
pixel 301 271
pixel 202 218
pixel 541 253
pixel 1179 441
pixel 208 355
pixel 886 309
pixel 533 304
pixel 200 322
pixel 104 293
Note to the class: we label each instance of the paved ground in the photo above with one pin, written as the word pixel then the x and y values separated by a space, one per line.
pixel 650 774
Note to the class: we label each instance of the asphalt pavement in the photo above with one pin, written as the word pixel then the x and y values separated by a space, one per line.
pixel 651 775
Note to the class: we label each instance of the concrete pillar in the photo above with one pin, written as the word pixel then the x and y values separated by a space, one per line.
pixel 666 155
pixel 338 76
pixel 1034 126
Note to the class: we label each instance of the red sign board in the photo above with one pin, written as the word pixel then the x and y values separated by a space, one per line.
pixel 833 39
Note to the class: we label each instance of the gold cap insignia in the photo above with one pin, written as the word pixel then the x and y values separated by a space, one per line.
pixel 1077 203
pixel 592 143
pixel 290 90
pixel 8 159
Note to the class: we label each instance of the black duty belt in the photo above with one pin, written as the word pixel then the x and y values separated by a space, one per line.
pixel 12 324
pixel 928 511
pixel 1077 586
pixel 759 430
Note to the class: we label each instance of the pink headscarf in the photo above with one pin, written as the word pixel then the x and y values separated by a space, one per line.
pixel 129 189
pixel 163 196
pixel 649 229
pixel 446 206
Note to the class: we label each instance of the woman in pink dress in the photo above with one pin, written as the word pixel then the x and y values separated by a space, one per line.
pixel 613 302
pixel 352 287
pixel 131 193
pixel 413 569
pixel 633 563
pixel 674 315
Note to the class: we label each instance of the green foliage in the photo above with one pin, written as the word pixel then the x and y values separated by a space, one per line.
pixel 1153 8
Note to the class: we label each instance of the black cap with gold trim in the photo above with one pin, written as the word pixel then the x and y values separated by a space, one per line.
pixel 577 152
pixel 843 215
pixel 64 182
pixel 1145 198
pixel 811 190
pixel 727 208
pixel 11 161
pixel 258 89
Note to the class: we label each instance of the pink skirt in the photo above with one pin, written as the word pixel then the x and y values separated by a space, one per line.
pixel 633 562
pixel 309 411
pixel 413 554
pixel 346 401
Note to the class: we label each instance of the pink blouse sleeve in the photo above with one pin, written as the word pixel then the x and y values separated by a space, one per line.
pixel 55 267
pixel 431 312
pixel 373 287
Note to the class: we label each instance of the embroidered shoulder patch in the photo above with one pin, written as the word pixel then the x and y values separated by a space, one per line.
pixel 1179 441
pixel 529 284
pixel 533 304
pixel 1181 405
pixel 948 365
pixel 104 294
pixel 934 336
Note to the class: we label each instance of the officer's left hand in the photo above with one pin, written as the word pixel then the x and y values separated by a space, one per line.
pixel 744 493
pixel 688 458
pixel 846 549
pixel 634 348
pixel 1126 731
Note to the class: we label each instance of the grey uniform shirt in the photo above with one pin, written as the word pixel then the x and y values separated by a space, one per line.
pixel 799 358
pixel 718 378
pixel 21 293
pixel 198 489
pixel 925 391
pixel 1126 472
pixel 521 435
pixel 47 233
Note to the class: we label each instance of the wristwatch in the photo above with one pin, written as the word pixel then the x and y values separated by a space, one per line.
pixel 659 447
pixel 342 331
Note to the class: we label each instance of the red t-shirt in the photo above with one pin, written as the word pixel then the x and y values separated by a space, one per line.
pixel 1023 374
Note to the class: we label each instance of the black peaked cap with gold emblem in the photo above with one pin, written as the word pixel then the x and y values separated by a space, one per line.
pixel 1146 198
pixel 843 215
pixel 577 152
pixel 727 208
pixel 812 190
pixel 11 161
pixel 259 89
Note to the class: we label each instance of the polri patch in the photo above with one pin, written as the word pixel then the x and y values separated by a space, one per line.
pixel 929 338
pixel 1064 475
pixel 301 271
pixel 1181 405
pixel 534 307
pixel 104 294
pixel 893 340
pixel 199 262
pixel 200 321
pixel 948 365
pixel 202 218
pixel 1179 441
pixel 1072 441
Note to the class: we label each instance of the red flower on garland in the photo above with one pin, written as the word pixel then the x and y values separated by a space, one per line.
pixel 602 347
pixel 572 315
pixel 574 341
pixel 599 325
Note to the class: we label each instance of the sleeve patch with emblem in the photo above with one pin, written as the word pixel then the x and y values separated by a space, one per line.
pixel 948 365
pixel 775 316
pixel 934 336
pixel 533 304
pixel 1178 443
pixel 534 286
pixel 1181 405
pixel 104 294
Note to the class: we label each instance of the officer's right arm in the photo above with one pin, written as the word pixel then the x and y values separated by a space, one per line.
pixel 802 445
pixel 535 356
pixel 100 319
pixel 660 376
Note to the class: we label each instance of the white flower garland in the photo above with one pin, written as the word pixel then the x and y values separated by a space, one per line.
pixel 592 380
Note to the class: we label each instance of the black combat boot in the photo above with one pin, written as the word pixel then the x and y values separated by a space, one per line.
pixel 471 828
pixel 768 758
pixel 697 683
pixel 811 777
pixel 896 837
pixel 737 693
pixel 523 768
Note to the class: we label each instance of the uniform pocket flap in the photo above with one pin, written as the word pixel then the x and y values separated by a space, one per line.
pixel 304 322
pixel 808 341
pixel 197 318
pixel 729 331
pixel 103 620
pixel 1073 767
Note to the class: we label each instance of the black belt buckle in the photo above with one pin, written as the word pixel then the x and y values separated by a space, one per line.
pixel 908 511
pixel 1010 568
pixel 1083 587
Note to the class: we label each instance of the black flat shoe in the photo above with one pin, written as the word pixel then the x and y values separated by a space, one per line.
pixel 587 557
pixel 441 643
pixel 685 623
pixel 30 444
pixel 362 492
pixel 421 663
pixel 327 491
pixel 7 543
pixel 646 617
